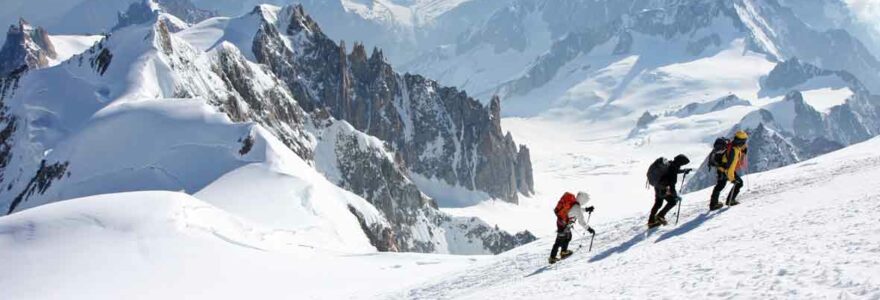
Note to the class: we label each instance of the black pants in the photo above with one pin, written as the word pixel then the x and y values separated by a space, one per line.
pixel 721 183
pixel 563 237
pixel 662 193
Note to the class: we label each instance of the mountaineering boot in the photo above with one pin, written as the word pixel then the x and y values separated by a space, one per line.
pixel 553 260
pixel 662 221
pixel 565 254
pixel 715 206
pixel 732 203
pixel 653 224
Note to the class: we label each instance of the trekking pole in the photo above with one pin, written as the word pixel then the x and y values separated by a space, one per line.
pixel 590 215
pixel 678 214
pixel 591 242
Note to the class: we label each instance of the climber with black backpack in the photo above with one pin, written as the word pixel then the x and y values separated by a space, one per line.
pixel 728 157
pixel 663 176
pixel 569 209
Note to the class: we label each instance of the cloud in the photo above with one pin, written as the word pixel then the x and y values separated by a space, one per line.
pixel 867 11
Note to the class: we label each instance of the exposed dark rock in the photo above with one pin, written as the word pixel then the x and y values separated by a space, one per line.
pixel 102 61
pixel 26 47
pixel 642 123
pixel 274 108
pixel 41 181
pixel 246 144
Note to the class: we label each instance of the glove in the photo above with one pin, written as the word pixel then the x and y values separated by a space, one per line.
pixel 737 181
pixel 687 171
pixel 590 230
pixel 590 209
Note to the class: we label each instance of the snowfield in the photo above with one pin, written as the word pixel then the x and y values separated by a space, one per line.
pixel 807 231
pixel 168 245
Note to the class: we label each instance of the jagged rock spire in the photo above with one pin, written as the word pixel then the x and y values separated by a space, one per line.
pixel 25 48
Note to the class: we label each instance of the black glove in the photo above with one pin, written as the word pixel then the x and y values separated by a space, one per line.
pixel 686 171
pixel 589 209
pixel 591 231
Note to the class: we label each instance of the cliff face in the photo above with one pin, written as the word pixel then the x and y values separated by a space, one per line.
pixel 436 132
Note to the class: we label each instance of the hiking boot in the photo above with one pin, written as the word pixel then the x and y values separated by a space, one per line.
pixel 565 254
pixel 553 260
pixel 732 203
pixel 654 224
pixel 715 206
pixel 662 221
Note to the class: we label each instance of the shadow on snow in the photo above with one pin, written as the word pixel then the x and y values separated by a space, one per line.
pixel 690 225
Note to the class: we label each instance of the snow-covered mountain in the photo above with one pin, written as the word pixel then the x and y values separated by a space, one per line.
pixel 402 28
pixel 426 125
pixel 557 52
pixel 88 17
pixel 125 92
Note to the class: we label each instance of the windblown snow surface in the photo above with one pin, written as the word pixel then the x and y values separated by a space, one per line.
pixel 807 231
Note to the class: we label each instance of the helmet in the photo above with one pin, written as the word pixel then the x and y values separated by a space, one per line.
pixel 740 138
pixel 583 198
pixel 742 135
pixel 681 160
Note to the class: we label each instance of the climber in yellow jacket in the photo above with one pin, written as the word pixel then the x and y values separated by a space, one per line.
pixel 732 160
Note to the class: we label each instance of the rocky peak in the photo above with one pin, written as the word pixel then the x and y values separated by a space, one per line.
pixel 186 10
pixel 358 53
pixel 300 21
pixel 495 111
pixel 138 13
pixel 377 56
pixel 790 73
pixel 25 48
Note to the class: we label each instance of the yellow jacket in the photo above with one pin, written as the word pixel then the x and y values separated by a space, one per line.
pixel 733 161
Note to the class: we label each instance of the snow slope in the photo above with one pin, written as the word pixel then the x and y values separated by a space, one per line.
pixel 66 46
pixel 167 245
pixel 806 231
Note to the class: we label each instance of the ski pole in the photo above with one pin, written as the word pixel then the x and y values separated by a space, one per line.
pixel 591 242
pixel 678 214
pixel 590 215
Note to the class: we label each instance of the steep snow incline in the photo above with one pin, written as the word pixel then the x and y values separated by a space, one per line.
pixel 805 231
pixel 66 46
pixel 166 245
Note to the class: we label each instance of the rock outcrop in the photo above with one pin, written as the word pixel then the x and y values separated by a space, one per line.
pixel 26 47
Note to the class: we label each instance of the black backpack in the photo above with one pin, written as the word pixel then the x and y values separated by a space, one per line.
pixel 719 149
pixel 657 170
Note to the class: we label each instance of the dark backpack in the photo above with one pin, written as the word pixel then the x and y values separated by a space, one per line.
pixel 657 170
pixel 720 148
